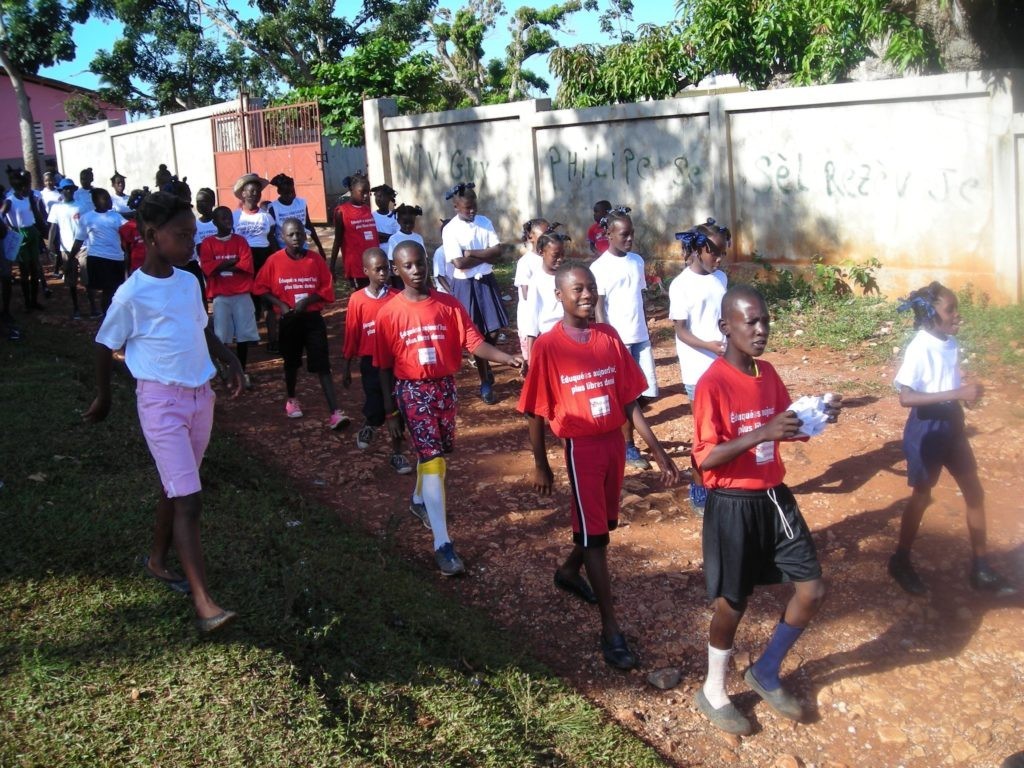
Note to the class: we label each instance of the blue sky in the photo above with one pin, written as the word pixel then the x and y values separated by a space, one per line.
pixel 583 28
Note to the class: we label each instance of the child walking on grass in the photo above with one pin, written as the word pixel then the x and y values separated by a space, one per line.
pixel 157 315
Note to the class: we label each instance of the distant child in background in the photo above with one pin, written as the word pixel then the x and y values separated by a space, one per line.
pixel 417 368
pixel 132 244
pixel 621 283
pixel 288 206
pixel 542 309
pixel 158 317
pixel 526 266
pixel 471 246
pixel 83 195
pixel 442 272
pixel 260 231
pixel 354 231
pixel 930 383
pixel 406 216
pixel 595 235
pixel 226 260
pixel 384 216
pixel 584 381
pixel 206 200
pixel 65 229
pixel 101 236
pixel 49 193
pixel 298 284
pixel 23 213
pixel 753 532
pixel 695 307
pixel 360 328
pixel 118 199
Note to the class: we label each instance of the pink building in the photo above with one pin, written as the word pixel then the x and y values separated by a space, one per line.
pixel 47 98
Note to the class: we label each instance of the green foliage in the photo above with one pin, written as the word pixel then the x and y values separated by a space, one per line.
pixel 991 336
pixel 37 33
pixel 83 109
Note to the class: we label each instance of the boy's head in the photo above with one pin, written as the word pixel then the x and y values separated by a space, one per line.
pixel 223 219
pixel 205 200
pixel 67 189
pixel 294 235
pixel 375 267
pixel 601 208
pixel 744 322
pixel 101 200
pixel 576 289
pixel 49 180
pixel 410 262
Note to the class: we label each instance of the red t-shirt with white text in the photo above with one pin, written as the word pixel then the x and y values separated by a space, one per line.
pixel 359 233
pixel 292 280
pixel 212 252
pixel 361 321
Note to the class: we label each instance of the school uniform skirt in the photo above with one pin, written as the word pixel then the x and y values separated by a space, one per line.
pixel 482 299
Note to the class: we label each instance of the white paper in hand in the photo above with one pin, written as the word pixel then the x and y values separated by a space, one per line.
pixel 811 412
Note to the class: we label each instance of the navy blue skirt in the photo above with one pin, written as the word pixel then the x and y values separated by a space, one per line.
pixel 482 300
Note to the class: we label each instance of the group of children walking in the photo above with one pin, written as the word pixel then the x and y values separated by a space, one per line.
pixel 585 352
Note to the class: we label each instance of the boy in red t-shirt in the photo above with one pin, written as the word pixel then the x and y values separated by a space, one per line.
pixel 360 328
pixel 226 261
pixel 297 284
pixel 584 381
pixel 131 241
pixel 419 338
pixel 753 530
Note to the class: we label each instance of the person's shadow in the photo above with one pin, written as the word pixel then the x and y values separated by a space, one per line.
pixel 851 473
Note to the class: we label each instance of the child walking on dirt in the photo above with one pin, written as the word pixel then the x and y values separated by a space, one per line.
pixel 419 338
pixel 753 530
pixel 931 385
pixel 157 315
pixel 584 381
pixel 526 267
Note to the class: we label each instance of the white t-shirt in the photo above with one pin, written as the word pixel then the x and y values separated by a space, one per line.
pixel 297 209
pixel 254 227
pixel 458 236
pixel 83 199
pixel 442 269
pixel 204 229
pixel 66 217
pixel 526 267
pixel 120 203
pixel 20 213
pixel 400 237
pixel 621 280
pixel 50 198
pixel 930 364
pixel 100 234
pixel 161 323
pixel 697 299
pixel 542 310
pixel 387 224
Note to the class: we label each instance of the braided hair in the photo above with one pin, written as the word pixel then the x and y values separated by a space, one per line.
pixel 618 213
pixel 415 210
pixel 531 224
pixel 462 189
pixel 550 237
pixel 696 238
pixel 922 302
pixel 158 208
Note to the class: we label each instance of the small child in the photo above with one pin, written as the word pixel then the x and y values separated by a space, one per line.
pixel 419 337
pixel 226 260
pixel 83 195
pixel 297 285
pixel 621 283
pixel 472 246
pixel 360 321
pixel 354 231
pixel 104 260
pixel 589 420
pixel 118 199
pixel 23 213
pixel 930 384
pixel 157 316
pixel 753 531
pixel 384 217
pixel 527 265
pixel 443 273
pixel 132 244
pixel 595 235
pixel 288 205
pixel 406 217
pixel 695 305
pixel 543 309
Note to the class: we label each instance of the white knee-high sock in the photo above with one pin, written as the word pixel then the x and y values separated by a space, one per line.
pixel 417 494
pixel 431 483
pixel 714 686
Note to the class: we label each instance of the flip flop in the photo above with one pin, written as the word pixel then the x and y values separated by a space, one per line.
pixel 576 586
pixel 176 585
pixel 212 624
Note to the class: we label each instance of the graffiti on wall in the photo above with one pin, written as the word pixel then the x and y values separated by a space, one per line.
pixel 417 163
pixel 570 168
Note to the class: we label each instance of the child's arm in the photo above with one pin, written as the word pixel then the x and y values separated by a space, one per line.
pixel 100 407
pixel 495 355
pixel 472 257
pixel 53 240
pixel 784 426
pixel 339 233
pixel 669 473
pixel 443 282
pixel 600 311
pixel 969 393
pixel 387 386
pixel 315 237
pixel 684 334
pixel 543 478
pixel 219 351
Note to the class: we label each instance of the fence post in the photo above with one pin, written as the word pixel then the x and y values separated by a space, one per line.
pixel 378 155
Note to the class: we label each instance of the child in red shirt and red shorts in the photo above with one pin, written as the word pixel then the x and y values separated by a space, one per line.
pixel 420 335
pixel 753 531
pixel 584 381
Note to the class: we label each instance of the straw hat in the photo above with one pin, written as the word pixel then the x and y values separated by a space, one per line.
pixel 247 178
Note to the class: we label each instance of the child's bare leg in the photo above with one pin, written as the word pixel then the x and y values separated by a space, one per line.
pixel 163 532
pixel 974 498
pixel 596 561
pixel 724 623
pixel 327 385
pixel 190 552
pixel 571 567
pixel 919 500
pixel 242 353
pixel 805 603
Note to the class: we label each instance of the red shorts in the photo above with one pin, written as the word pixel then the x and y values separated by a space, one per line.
pixel 596 464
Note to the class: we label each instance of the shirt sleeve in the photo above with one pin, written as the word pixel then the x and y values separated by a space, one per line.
pixel 118 325
pixel 529 310
pixel 536 396
pixel 325 280
pixel 707 422
pixel 352 327
pixel 206 261
pixel 383 355
pixel 261 284
pixel 450 243
pixel 911 372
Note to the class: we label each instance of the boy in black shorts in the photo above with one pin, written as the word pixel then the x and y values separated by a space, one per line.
pixel 753 530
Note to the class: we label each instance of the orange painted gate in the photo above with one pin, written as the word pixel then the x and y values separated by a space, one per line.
pixel 268 142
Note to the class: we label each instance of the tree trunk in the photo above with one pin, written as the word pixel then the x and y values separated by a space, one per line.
pixel 28 140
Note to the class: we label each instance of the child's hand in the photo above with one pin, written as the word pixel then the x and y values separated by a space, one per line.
pixel 716 347
pixel 784 426
pixel 517 362
pixel 669 473
pixel 970 392
pixel 98 411
pixel 833 406
pixel 543 479
pixel 394 427
pixel 236 377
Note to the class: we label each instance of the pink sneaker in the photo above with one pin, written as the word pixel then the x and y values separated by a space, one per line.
pixel 292 409
pixel 338 420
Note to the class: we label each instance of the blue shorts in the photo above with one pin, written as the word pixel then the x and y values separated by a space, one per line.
pixel 933 438
pixel 644 356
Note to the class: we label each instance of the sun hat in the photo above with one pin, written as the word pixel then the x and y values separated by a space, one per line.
pixel 246 179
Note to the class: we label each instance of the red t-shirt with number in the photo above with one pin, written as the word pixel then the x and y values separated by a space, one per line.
pixel 212 252
pixel 359 233
pixel 581 388
pixel 729 403
pixel 361 321
pixel 292 280
pixel 423 339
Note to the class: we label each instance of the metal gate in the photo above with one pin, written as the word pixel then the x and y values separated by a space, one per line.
pixel 268 142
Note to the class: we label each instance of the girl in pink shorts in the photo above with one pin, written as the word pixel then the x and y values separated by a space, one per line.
pixel 157 315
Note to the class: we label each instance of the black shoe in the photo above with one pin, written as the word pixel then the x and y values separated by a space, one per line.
pixel 617 653
pixel 576 586
pixel 984 579
pixel 905 575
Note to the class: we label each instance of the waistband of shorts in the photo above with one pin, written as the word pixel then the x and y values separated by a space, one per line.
pixel 416 382
pixel 158 388
pixel 600 437
pixel 747 493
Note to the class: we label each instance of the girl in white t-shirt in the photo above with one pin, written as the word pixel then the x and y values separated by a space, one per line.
pixel 288 206
pixel 406 217
pixel 930 384
pixel 542 310
pixel 159 319
pixel 104 261
pixel 384 217
pixel 526 267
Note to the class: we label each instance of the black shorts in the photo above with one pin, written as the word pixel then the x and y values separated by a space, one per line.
pixel 373 403
pixel 304 332
pixel 104 274
pixel 746 543
pixel 933 438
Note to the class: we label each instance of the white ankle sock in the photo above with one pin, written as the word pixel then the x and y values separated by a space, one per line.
pixel 431 483
pixel 714 686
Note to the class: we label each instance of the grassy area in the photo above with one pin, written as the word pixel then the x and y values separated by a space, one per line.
pixel 344 655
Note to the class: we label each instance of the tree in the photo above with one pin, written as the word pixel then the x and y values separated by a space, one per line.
pixel 531 30
pixel 34 34
pixel 465 31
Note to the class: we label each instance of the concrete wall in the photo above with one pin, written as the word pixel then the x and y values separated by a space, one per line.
pixel 339 162
pixel 922 173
